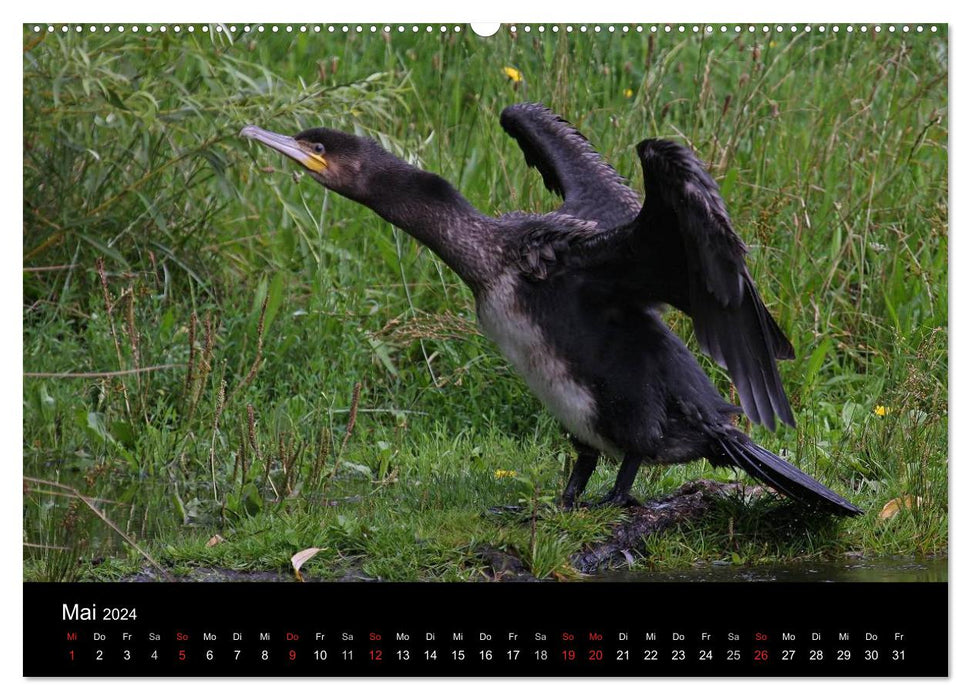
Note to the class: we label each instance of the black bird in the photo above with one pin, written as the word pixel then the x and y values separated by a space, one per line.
pixel 573 298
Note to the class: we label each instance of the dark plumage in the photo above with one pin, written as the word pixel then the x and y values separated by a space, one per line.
pixel 573 298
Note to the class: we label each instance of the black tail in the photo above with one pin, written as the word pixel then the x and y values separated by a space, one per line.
pixel 783 477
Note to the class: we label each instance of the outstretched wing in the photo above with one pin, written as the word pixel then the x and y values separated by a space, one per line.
pixel 681 250
pixel 712 284
pixel 591 189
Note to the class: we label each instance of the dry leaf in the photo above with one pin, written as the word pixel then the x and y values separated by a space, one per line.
pixel 214 540
pixel 302 557
pixel 894 506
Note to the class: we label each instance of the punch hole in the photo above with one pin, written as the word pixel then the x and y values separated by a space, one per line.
pixel 485 29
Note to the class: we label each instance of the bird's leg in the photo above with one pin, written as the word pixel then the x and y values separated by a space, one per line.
pixel 583 467
pixel 620 494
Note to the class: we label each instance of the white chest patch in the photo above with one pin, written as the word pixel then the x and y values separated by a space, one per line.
pixel 535 360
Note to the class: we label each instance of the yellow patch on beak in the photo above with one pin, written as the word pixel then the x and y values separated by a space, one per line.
pixel 313 161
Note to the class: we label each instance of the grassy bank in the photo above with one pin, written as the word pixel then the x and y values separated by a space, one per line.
pixel 215 346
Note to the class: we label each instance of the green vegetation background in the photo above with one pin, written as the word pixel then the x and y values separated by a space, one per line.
pixel 292 372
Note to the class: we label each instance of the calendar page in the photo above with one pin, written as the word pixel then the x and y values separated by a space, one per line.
pixel 370 349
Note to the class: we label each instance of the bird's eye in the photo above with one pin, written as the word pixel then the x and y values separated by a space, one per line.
pixel 319 149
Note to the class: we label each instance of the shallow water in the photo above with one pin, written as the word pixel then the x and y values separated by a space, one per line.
pixel 876 569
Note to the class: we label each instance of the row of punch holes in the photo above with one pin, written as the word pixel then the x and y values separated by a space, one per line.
pixel 488 30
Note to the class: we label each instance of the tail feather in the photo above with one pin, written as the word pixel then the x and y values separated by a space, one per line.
pixel 776 472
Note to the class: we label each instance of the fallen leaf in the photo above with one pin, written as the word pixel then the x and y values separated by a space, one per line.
pixel 301 558
pixel 894 506
pixel 214 540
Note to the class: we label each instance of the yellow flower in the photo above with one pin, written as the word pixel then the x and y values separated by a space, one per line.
pixel 881 410
pixel 628 93
pixel 513 74
pixel 504 473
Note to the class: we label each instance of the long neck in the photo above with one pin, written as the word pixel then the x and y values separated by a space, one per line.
pixel 433 212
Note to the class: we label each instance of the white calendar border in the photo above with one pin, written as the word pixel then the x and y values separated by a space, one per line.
pixel 704 11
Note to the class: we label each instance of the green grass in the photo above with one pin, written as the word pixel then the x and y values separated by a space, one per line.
pixel 261 313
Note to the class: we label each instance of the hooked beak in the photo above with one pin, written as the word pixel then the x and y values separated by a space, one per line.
pixel 288 146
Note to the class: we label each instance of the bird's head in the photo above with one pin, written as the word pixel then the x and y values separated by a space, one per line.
pixel 334 158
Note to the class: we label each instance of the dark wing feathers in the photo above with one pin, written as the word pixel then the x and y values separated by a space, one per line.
pixel 783 348
pixel 686 252
pixel 591 189
pixel 547 242
pixel 731 322
pixel 703 223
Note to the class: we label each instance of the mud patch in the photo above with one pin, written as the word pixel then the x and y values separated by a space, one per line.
pixel 505 566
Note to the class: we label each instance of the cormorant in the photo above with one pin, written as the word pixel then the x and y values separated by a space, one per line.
pixel 573 298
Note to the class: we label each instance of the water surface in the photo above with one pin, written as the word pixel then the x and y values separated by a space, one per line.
pixel 876 569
